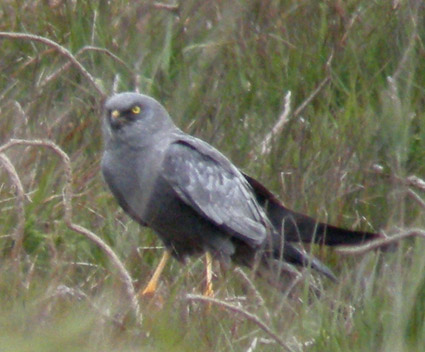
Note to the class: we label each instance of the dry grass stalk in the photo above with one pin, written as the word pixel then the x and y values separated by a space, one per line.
pixel 251 286
pixel 278 127
pixel 66 66
pixel 63 51
pixel 385 242
pixel 251 317
pixel 18 235
pixel 284 116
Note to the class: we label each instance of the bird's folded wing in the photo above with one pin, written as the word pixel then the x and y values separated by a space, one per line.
pixel 205 180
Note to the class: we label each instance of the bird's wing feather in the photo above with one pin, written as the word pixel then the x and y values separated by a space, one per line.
pixel 205 180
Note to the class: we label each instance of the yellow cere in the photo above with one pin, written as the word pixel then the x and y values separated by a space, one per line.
pixel 135 109
pixel 115 114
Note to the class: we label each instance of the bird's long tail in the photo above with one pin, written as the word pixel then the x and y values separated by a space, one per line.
pixel 297 227
pixel 291 226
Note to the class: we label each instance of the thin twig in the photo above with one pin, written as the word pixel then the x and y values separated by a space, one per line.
pixel 278 127
pixel 284 116
pixel 350 24
pixel 93 30
pixel 411 181
pixel 412 194
pixel 253 345
pixel 308 100
pixel 66 66
pixel 394 95
pixel 63 291
pixel 168 7
pixel 62 50
pixel 67 197
pixel 370 246
pixel 294 283
pixel 18 235
pixel 417 182
pixel 26 282
pixel 115 83
pixel 251 317
pixel 108 53
pixel 251 286
pixel 411 45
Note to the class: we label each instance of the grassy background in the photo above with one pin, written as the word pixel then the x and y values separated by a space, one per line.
pixel 222 68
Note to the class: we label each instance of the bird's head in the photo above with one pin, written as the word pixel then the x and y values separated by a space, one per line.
pixel 133 115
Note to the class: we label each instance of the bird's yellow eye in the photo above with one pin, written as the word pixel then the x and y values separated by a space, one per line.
pixel 135 109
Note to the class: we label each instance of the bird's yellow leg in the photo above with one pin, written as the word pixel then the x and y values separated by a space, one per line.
pixel 209 292
pixel 153 282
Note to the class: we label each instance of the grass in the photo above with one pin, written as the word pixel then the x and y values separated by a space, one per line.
pixel 222 69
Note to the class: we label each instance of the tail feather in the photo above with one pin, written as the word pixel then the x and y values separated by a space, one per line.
pixel 298 227
pixel 291 226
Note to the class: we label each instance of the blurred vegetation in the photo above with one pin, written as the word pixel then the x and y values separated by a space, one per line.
pixel 222 69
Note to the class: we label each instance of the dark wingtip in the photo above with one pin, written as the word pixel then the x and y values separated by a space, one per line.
pixel 323 269
pixel 297 256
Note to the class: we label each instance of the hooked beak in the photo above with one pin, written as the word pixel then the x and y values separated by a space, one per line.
pixel 115 119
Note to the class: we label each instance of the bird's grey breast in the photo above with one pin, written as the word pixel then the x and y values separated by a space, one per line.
pixel 131 174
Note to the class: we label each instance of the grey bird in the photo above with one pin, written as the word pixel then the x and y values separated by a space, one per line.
pixel 195 199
